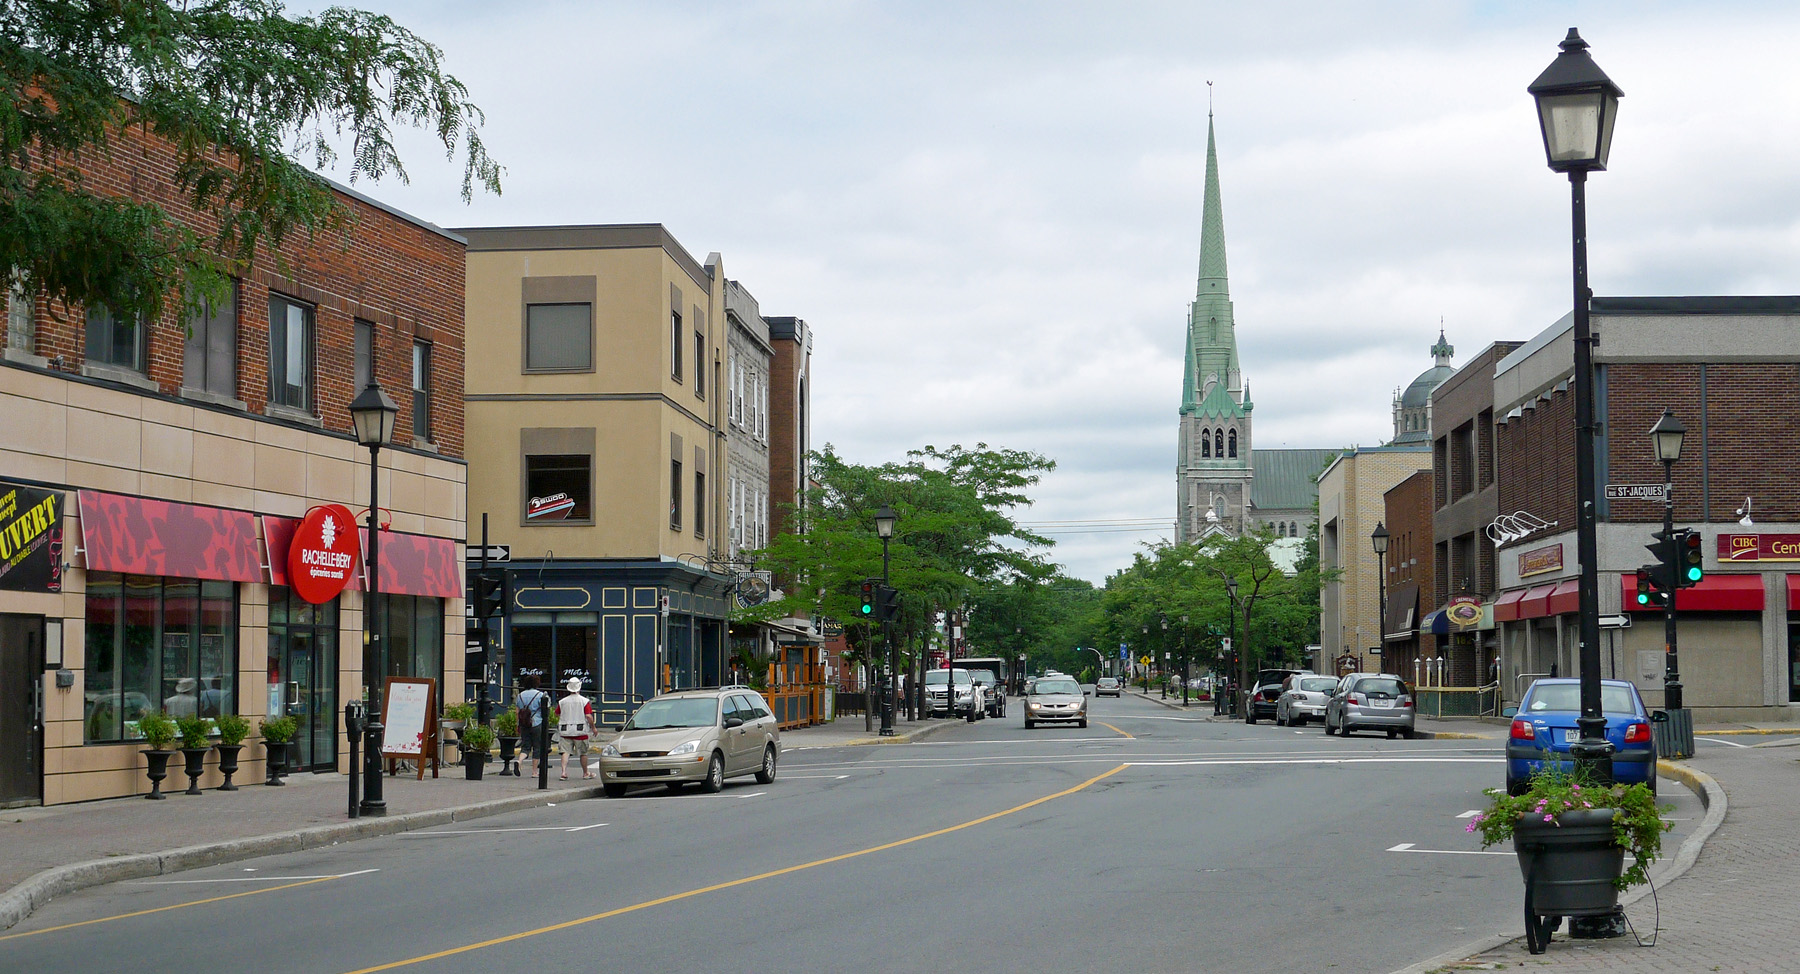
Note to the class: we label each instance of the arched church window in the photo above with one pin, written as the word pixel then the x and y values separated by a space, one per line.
pixel 1219 443
pixel 1281 530
pixel 1219 508
pixel 1231 443
pixel 1205 445
pixel 1293 529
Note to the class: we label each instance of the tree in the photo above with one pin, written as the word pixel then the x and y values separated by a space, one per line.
pixel 232 86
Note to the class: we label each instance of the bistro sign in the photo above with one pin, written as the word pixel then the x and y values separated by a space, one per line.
pixel 1759 547
pixel 31 539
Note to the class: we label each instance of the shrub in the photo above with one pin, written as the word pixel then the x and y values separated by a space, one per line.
pixel 232 729
pixel 158 730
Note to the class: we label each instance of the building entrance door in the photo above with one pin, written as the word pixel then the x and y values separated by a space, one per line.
pixel 21 710
pixel 303 675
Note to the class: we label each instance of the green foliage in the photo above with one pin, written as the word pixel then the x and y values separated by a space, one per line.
pixel 1046 620
pixel 193 731
pixel 477 737
pixel 464 711
pixel 232 729
pixel 159 731
pixel 232 86
pixel 506 722
pixel 279 730
pixel 1638 824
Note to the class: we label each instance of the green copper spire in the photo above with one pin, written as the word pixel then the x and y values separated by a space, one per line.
pixel 1211 355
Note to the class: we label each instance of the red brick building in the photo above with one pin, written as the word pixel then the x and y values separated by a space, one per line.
pixel 180 452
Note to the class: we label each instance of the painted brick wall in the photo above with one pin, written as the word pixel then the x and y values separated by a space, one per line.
pixel 1536 460
pixel 405 278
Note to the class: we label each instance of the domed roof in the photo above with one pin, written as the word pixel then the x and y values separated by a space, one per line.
pixel 1416 394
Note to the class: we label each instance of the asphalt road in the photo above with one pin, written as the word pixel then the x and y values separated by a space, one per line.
pixel 1153 840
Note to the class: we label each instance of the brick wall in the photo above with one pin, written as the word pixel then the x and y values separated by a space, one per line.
pixel 405 278
pixel 1536 460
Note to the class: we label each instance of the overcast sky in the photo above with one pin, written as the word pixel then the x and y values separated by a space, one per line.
pixel 989 213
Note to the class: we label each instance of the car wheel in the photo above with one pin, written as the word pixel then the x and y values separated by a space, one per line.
pixel 1393 734
pixel 1409 733
pixel 1280 721
pixel 1083 724
pixel 715 775
pixel 1329 730
pixel 1250 715
pixel 613 791
pixel 767 774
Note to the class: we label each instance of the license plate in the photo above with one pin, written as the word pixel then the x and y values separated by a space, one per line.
pixel 1383 704
pixel 1571 736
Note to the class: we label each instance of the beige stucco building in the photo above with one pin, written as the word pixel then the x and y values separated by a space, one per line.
pixel 1351 502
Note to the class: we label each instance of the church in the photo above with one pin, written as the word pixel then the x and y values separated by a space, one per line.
pixel 1224 485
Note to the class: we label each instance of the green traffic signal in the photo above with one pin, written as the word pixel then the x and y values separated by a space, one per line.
pixel 1693 560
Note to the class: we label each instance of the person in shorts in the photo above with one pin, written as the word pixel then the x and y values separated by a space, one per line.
pixel 575 725
pixel 530 701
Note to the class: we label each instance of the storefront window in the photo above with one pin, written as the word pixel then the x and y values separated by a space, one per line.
pixel 415 637
pixel 555 646
pixel 1794 662
pixel 157 643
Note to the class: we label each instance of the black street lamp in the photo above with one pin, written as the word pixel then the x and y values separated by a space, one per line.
pixel 372 413
pixel 1380 540
pixel 1165 660
pixel 1667 435
pixel 1231 658
pixel 884 529
pixel 1184 661
pixel 1577 105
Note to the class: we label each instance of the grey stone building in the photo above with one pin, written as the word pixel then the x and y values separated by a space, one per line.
pixel 748 359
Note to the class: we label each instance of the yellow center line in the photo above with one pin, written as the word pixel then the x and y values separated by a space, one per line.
pixel 161 909
pixel 660 901
pixel 1115 729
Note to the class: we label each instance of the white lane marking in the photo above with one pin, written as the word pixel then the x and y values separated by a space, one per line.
pixel 1471 813
pixel 584 828
pixel 1408 847
pixel 1714 740
pixel 1028 740
pixel 942 765
pixel 689 798
pixel 250 879
pixel 541 828
pixel 833 777
pixel 1184 720
pixel 1177 764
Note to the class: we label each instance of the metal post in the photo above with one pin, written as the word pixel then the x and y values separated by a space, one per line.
pixel 887 683
pixel 481 696
pixel 1593 751
pixel 1672 670
pixel 353 729
pixel 374 665
pixel 543 739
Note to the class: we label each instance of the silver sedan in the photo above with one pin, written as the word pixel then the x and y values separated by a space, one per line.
pixel 1304 700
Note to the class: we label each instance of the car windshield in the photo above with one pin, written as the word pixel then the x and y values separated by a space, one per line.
pixel 675 712
pixel 1381 685
pixel 1058 685
pixel 1107 681
pixel 1318 684
pixel 935 678
pixel 1567 697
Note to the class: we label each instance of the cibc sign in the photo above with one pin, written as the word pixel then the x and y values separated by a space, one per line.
pixel 323 552
pixel 1759 547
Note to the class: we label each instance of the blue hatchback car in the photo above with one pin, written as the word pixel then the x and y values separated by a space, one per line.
pixel 1544 727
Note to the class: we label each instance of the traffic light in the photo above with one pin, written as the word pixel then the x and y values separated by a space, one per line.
pixel 1650 588
pixel 1690 561
pixel 1663 550
pixel 490 595
pixel 889 605
pixel 867 611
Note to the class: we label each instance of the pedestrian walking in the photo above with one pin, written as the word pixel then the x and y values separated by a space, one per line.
pixel 575 725
pixel 530 703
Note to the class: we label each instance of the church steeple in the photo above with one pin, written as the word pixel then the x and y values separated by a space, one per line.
pixel 1212 224
pixel 1211 381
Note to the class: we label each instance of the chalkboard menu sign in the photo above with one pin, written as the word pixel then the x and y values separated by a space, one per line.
pixel 31 539
pixel 409 714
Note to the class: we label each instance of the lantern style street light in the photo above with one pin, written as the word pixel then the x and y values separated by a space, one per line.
pixel 372 414
pixel 1380 540
pixel 1666 436
pixel 1577 105
pixel 885 519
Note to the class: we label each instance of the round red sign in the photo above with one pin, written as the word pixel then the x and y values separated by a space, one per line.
pixel 323 552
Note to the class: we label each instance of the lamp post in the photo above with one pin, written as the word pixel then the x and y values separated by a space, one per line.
pixel 1165 659
pixel 372 414
pixel 1231 658
pixel 1577 105
pixel 1146 657
pixel 1184 662
pixel 884 529
pixel 1380 541
pixel 1666 435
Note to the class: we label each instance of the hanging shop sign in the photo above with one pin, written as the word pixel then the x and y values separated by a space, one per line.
pixel 323 552
pixel 1464 612
pixel 1759 547
pixel 31 539
pixel 1537 561
pixel 556 507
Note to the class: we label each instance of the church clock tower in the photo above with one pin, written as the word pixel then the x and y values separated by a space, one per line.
pixel 1212 467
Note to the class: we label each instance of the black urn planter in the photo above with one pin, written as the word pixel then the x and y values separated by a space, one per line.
pixel 196 766
pixel 1570 866
pixel 277 753
pixel 474 762
pixel 159 769
pixel 508 755
pixel 228 763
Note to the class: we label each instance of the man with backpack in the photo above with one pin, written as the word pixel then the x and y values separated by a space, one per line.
pixel 530 713
pixel 575 725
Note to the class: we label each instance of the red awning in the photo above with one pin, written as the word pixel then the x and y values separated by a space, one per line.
pixel 1715 593
pixel 139 536
pixel 1793 582
pixel 1565 598
pixel 1506 607
pixel 413 564
pixel 1536 603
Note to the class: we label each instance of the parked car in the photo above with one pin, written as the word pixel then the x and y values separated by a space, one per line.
pixel 1544 727
pixel 1055 699
pixel 1304 699
pixel 969 695
pixel 993 692
pixel 1265 693
pixel 693 735
pixel 1371 701
pixel 1107 686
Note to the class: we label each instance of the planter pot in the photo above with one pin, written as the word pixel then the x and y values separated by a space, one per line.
pixel 196 766
pixel 228 763
pixel 474 762
pixel 508 755
pixel 277 753
pixel 159 769
pixel 1569 868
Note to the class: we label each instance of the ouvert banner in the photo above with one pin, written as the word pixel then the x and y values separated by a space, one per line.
pixel 31 539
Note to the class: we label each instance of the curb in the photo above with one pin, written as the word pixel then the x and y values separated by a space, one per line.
pixel 19 902
pixel 1711 795
pixel 906 738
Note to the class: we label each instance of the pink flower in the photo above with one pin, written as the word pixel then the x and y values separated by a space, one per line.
pixel 1469 827
pixel 1549 818
pixel 1587 805
pixel 1576 787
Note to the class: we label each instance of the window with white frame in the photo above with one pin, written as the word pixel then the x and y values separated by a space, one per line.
pixel 21 332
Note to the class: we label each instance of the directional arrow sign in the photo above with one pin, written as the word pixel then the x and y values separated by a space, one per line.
pixel 495 552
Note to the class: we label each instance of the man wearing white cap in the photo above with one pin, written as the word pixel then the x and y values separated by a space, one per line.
pixel 575 725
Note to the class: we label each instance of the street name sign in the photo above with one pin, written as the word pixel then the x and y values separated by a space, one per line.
pixel 1637 492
